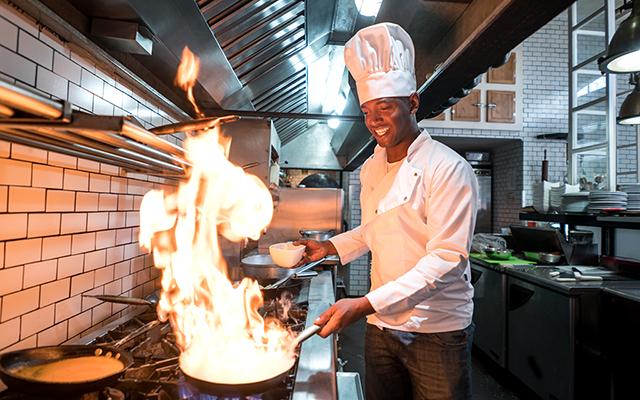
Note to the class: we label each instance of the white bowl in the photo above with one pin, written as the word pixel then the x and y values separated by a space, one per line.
pixel 286 254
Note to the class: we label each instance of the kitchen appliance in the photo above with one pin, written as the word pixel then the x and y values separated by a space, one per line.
pixel 155 373
pixel 483 219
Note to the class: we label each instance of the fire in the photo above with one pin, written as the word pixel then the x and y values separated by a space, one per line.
pixel 222 336
pixel 187 75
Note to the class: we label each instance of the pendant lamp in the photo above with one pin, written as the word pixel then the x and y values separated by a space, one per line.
pixel 630 108
pixel 623 54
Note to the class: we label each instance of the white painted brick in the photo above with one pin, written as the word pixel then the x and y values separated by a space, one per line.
pixel 55 291
pixel 1 257
pixel 104 275
pixel 39 273
pixel 13 172
pixel 26 199
pixel 114 288
pixel 115 254
pixel 88 165
pixel 117 220
pixel 105 77
pixel 22 251
pixel 125 202
pixel 108 202
pixel 131 250
pixel 81 97
pixel 57 246
pixel 9 37
pixel 90 302
pixel 100 313
pixel 51 83
pixel 81 283
pixel 83 243
pixel 105 239
pixel 11 280
pixel 94 260
pixel 97 221
pixel 128 283
pixel 44 225
pixel 66 68
pixel 142 276
pixel 9 333
pixel 69 266
pixel 53 336
pixel 91 82
pixel 148 288
pixel 68 308
pixel 19 303
pixel 99 183
pixel 4 194
pixel 47 176
pixel 86 201
pixel 28 343
pixel 109 169
pixel 79 323
pixel 113 95
pixel 62 160
pixel 17 66
pixel 36 321
pixel 102 107
pixel 75 180
pixel 133 218
pixel 25 153
pixel 137 264
pixel 60 201
pixel 35 50
pixel 73 223
pixel 14 226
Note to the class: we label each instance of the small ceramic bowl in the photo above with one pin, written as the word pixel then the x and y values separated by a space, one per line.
pixel 286 254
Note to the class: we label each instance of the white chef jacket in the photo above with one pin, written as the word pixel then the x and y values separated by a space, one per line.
pixel 418 222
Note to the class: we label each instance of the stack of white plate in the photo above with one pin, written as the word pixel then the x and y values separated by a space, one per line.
pixel 600 200
pixel 575 202
pixel 633 195
pixel 541 195
pixel 555 195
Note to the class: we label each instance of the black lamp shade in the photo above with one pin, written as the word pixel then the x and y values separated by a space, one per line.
pixel 630 109
pixel 623 53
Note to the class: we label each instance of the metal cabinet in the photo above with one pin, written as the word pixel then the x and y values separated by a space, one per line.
pixel 540 344
pixel 490 312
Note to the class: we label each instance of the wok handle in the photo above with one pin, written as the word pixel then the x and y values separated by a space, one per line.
pixel 136 333
pixel 288 278
pixel 307 333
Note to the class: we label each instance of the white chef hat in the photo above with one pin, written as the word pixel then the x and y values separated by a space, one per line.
pixel 381 59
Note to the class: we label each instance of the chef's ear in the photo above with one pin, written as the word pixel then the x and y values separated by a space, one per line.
pixel 414 102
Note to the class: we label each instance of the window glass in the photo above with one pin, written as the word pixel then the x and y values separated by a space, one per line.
pixel 592 169
pixel 590 125
pixel 590 39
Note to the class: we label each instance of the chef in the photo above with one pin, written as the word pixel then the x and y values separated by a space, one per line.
pixel 419 204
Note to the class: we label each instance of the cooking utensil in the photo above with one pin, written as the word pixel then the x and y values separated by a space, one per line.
pixel 122 300
pixel 543 258
pixel 497 254
pixel 251 388
pixel 320 236
pixel 262 267
pixel 14 361
pixel 294 275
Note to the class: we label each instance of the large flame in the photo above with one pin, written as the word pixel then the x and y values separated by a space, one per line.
pixel 218 327
pixel 187 75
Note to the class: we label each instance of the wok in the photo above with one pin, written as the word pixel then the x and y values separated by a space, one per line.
pixel 251 388
pixel 14 361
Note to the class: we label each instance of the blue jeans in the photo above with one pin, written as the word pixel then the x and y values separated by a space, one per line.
pixel 420 366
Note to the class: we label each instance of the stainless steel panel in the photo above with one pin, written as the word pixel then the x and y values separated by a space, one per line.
pixel 483 219
pixel 490 313
pixel 541 335
pixel 302 209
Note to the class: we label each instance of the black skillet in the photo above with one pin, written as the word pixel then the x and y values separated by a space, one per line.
pixel 17 360
pixel 250 388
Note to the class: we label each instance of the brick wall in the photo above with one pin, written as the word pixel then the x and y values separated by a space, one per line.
pixel 68 226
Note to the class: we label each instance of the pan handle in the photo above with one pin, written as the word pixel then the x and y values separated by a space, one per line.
pixel 288 278
pixel 140 331
pixel 307 333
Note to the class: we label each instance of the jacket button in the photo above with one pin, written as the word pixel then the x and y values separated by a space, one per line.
pixel 415 174
pixel 376 211
pixel 405 199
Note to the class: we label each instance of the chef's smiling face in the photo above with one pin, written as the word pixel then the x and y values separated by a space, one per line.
pixel 391 120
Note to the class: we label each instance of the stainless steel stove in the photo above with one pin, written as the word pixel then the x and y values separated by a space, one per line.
pixel 155 373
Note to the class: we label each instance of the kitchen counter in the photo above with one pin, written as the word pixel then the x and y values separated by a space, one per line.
pixel 627 293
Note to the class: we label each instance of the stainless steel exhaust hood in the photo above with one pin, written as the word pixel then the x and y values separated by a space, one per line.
pixel 260 55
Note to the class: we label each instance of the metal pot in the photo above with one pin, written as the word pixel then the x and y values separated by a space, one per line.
pixel 262 267
pixel 320 236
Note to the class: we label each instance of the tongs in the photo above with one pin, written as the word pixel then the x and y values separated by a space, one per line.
pixel 577 277
pixel 292 276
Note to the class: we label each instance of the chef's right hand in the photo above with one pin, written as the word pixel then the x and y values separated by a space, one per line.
pixel 314 250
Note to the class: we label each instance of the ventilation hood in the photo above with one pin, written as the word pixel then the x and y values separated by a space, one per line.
pixel 282 59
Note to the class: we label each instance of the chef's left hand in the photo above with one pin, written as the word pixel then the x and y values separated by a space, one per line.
pixel 342 314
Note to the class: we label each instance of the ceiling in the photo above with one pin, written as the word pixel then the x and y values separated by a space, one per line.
pixel 283 58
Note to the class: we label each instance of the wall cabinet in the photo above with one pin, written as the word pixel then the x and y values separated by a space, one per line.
pixel 468 108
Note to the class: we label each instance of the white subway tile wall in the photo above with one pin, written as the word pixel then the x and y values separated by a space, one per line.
pixel 68 226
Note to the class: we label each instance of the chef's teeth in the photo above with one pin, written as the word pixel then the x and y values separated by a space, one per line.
pixel 381 132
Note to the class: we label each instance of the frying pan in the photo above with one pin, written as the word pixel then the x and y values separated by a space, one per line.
pixel 14 361
pixel 251 388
